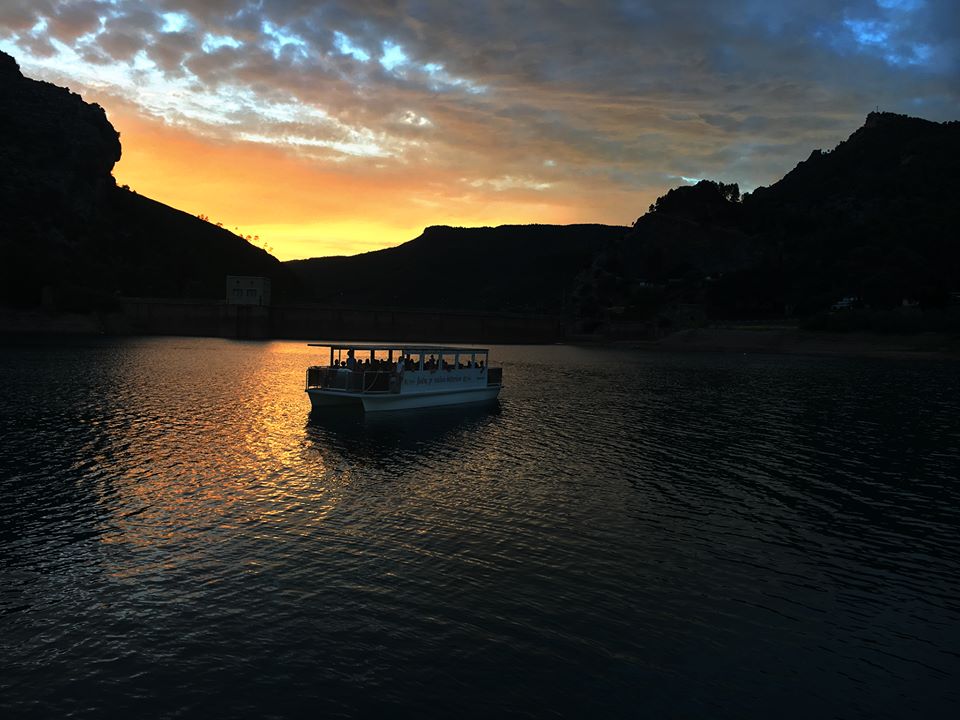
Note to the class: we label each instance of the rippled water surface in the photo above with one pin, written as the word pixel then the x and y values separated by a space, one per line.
pixel 623 535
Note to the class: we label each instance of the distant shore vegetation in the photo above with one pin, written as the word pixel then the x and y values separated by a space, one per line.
pixel 252 239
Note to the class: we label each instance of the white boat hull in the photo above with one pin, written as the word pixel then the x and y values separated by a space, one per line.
pixel 325 398
pixel 402 401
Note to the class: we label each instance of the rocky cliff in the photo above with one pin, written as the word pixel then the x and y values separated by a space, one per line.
pixel 70 236
pixel 57 152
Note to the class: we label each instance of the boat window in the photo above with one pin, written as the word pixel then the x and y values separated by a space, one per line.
pixel 372 360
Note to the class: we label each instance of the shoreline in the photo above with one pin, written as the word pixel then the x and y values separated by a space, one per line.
pixel 44 322
pixel 793 341
pixel 761 339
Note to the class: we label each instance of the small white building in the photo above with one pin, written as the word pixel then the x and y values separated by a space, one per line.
pixel 248 290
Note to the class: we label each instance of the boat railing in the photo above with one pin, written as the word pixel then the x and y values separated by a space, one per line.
pixel 494 376
pixel 369 381
pixel 377 381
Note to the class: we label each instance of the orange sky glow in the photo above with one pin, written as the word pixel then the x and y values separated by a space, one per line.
pixel 301 208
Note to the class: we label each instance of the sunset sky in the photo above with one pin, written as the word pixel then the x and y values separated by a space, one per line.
pixel 340 127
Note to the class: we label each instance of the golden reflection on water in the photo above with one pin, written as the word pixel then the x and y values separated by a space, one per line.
pixel 208 444
pixel 210 441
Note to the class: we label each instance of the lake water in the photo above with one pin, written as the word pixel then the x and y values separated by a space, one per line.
pixel 623 535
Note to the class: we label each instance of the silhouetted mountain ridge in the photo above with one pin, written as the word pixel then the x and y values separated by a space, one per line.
pixel 66 226
pixel 876 218
pixel 524 268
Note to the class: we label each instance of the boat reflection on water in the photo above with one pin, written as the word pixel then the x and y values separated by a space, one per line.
pixel 386 436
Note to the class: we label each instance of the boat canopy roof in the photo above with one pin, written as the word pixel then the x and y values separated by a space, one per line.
pixel 402 347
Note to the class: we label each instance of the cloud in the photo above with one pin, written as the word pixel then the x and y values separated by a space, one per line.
pixel 536 101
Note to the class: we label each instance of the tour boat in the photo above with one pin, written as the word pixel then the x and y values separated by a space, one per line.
pixel 402 377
